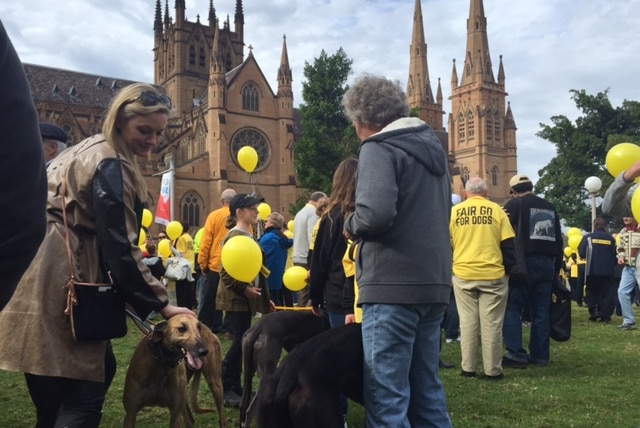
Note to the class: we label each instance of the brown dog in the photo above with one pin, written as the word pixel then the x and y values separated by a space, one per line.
pixel 158 377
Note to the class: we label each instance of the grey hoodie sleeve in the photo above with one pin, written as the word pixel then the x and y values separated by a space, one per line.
pixel 376 192
pixel 617 199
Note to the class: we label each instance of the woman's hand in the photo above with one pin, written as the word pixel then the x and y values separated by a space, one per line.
pixel 170 310
pixel 315 309
pixel 349 319
pixel 632 173
pixel 252 292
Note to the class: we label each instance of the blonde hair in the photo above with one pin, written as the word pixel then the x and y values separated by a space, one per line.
pixel 121 109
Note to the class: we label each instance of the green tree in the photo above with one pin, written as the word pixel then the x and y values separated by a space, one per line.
pixel 328 136
pixel 582 147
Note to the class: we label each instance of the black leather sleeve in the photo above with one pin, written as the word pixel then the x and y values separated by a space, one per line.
pixel 122 257
pixel 23 181
pixel 508 248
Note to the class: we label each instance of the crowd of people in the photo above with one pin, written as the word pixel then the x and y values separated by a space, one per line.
pixel 388 248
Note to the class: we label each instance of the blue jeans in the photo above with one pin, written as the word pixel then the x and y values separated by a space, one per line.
pixel 402 387
pixel 536 294
pixel 627 285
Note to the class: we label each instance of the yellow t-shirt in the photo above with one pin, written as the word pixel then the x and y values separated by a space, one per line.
pixel 314 233
pixel 349 266
pixel 184 244
pixel 477 227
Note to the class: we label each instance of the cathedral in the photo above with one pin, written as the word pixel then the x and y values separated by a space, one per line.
pixel 223 101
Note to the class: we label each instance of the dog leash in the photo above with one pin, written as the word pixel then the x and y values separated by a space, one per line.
pixel 293 308
pixel 144 326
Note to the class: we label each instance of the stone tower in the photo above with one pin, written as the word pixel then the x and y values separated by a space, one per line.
pixel 482 130
pixel 419 91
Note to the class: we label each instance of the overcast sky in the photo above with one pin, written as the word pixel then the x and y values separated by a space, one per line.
pixel 548 46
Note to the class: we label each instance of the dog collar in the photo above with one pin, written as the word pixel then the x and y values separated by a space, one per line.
pixel 165 356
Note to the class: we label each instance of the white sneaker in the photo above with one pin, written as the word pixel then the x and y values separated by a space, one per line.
pixel 457 339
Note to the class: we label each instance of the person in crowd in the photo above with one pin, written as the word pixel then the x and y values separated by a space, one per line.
pixel 197 276
pixel 154 262
pixel 161 236
pixel 54 141
pixel 451 319
pixel 215 230
pixel 599 250
pixel 23 188
pixel 275 246
pixel 539 239
pixel 239 299
pixel 303 223
pixel 483 243
pixel 627 252
pixel 105 192
pixel 321 207
pixel 185 289
pixel 404 259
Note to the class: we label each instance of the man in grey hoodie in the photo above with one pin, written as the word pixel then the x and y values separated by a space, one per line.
pixel 403 269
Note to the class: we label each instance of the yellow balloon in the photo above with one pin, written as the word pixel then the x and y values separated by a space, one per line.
pixel 635 204
pixel 242 258
pixel 174 230
pixel 621 157
pixel 295 278
pixel 147 218
pixel 264 210
pixel 573 231
pixel 288 234
pixel 142 238
pixel 248 158
pixel 568 251
pixel 290 226
pixel 574 242
pixel 164 248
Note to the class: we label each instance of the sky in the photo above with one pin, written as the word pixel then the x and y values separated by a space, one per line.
pixel 549 46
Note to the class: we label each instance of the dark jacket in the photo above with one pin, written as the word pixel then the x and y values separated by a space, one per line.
pixel 403 205
pixel 537 227
pixel 599 250
pixel 275 246
pixel 23 182
pixel 155 266
pixel 327 279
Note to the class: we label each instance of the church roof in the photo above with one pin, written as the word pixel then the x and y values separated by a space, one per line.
pixel 54 85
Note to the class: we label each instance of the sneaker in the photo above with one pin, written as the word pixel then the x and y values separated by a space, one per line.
pixel 468 375
pixel 513 364
pixel 457 339
pixel 627 326
pixel 495 377
pixel 346 425
pixel 231 399
pixel 445 365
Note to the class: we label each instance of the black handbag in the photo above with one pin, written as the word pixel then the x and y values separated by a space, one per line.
pixel 560 312
pixel 96 310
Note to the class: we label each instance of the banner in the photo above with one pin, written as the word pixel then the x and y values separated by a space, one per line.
pixel 163 212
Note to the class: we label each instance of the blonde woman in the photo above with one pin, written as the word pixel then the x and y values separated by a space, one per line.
pixel 105 194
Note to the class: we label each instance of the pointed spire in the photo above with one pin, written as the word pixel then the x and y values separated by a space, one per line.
pixel 501 73
pixel 284 72
pixel 157 22
pixel 212 14
pixel 454 76
pixel 180 11
pixel 239 18
pixel 419 86
pixel 509 121
pixel 217 66
pixel 478 58
pixel 439 94
pixel 167 18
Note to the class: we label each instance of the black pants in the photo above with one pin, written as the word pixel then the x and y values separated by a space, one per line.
pixel 601 293
pixel 70 403
pixel 232 364
pixel 207 312
pixel 185 294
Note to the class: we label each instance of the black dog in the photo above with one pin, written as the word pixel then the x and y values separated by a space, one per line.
pixel 262 346
pixel 305 389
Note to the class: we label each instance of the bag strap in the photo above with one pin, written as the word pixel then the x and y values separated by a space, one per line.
pixel 72 299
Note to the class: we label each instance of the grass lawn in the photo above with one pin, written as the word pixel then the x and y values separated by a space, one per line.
pixel 592 381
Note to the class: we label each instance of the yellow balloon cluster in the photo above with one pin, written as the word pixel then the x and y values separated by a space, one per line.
pixel 568 251
pixel 621 157
pixel 574 231
pixel 174 230
pixel 574 241
pixel 248 158
pixel 147 218
pixel 164 248
pixel 295 278
pixel 242 258
pixel 264 210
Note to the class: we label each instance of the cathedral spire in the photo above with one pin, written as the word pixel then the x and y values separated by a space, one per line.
pixel 284 72
pixel 212 14
pixel 157 22
pixel 180 11
pixel 501 73
pixel 418 86
pixel 509 121
pixel 454 76
pixel 477 59
pixel 439 94
pixel 167 18
pixel 217 66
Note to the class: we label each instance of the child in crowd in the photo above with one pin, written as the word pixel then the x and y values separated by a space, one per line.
pixel 275 245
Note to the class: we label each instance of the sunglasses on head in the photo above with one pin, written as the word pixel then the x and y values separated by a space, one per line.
pixel 149 99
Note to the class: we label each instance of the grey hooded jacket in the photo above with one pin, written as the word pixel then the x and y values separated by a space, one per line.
pixel 403 205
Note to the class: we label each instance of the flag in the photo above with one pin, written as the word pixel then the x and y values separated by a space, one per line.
pixel 163 212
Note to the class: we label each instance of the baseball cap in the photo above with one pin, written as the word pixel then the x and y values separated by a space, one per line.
pixel 242 200
pixel 519 179
pixel 52 132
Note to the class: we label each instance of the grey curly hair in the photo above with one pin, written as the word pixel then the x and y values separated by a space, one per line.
pixel 375 101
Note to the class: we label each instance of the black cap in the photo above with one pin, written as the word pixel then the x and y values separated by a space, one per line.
pixel 242 200
pixel 52 132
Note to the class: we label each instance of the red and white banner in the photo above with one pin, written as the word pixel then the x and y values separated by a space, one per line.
pixel 163 212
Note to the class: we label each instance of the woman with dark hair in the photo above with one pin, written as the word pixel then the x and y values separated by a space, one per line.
pixel 98 186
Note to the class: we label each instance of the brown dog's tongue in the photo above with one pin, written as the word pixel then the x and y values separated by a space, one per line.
pixel 194 362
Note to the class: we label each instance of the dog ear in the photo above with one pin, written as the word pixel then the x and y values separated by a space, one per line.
pixel 158 332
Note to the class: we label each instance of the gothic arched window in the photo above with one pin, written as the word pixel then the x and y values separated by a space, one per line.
pixel 190 207
pixel 465 174
pixel 461 127
pixel 250 97
pixel 489 125
pixel 202 57
pixel 494 176
pixel 470 125
pixel 192 55
pixel 496 126
pixel 254 138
